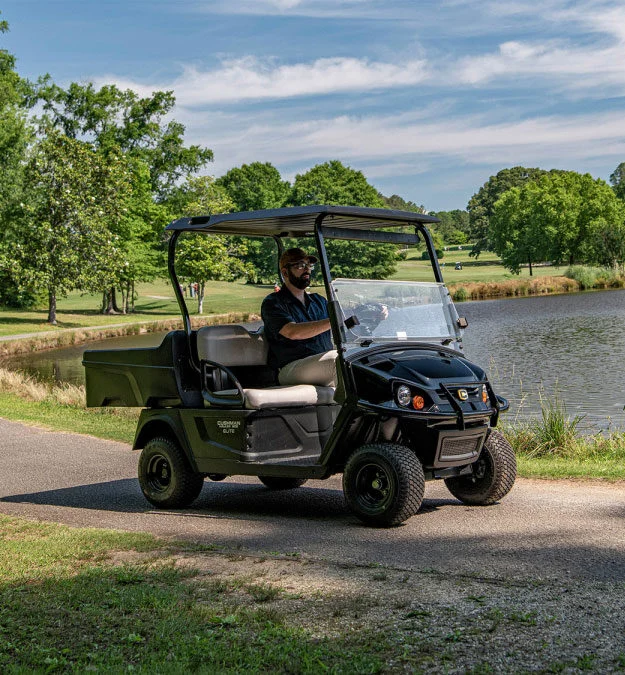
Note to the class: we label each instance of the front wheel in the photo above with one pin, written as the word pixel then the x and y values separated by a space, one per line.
pixel 274 483
pixel 493 474
pixel 383 484
pixel 165 476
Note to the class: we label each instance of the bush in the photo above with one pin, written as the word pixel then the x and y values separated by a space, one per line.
pixel 426 256
pixel 13 296
pixel 594 277
pixel 460 294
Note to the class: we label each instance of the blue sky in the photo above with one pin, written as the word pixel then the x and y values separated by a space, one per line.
pixel 427 98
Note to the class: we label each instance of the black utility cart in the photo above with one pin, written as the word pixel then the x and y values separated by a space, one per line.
pixel 413 409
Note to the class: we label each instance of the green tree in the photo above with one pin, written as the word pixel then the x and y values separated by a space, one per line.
pixel 563 217
pixel 120 119
pixel 251 187
pixel 112 120
pixel 61 238
pixel 202 258
pixel 482 203
pixel 398 203
pixel 15 135
pixel 454 226
pixel 617 180
pixel 519 232
pixel 138 233
pixel 333 183
pixel 255 186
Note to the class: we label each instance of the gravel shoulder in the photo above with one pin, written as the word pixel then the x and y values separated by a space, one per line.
pixel 425 620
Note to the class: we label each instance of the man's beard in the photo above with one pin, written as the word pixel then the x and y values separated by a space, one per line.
pixel 299 282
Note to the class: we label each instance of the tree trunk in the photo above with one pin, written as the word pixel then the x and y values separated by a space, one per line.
pixel 111 302
pixel 529 262
pixel 200 298
pixel 132 297
pixel 52 307
pixel 108 303
pixel 114 300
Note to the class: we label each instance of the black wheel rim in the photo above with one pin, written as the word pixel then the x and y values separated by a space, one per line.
pixel 158 473
pixel 479 469
pixel 375 488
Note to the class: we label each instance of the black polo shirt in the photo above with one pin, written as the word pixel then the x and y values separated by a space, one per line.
pixel 283 307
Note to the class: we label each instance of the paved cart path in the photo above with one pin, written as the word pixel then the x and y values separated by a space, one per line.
pixel 543 529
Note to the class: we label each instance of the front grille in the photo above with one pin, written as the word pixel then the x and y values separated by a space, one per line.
pixel 457 447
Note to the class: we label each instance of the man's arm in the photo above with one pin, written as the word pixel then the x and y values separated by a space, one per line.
pixel 306 330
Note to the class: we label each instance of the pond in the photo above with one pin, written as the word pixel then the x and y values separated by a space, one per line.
pixel 570 345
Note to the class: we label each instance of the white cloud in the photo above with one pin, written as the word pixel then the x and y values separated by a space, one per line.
pixel 569 66
pixel 248 78
pixel 309 8
pixel 394 143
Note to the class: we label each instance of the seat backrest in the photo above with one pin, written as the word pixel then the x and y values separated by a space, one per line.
pixel 231 345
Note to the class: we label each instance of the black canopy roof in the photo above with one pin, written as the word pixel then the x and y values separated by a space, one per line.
pixel 298 220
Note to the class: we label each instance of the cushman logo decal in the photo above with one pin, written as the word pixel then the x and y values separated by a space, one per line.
pixel 228 426
pixel 462 394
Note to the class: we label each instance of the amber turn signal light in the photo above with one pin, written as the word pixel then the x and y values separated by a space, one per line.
pixel 484 395
pixel 418 402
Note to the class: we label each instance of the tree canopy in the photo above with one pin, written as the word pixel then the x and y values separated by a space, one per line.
pixel 201 258
pixel 617 180
pixel 255 186
pixel 398 203
pixel 454 226
pixel 562 217
pixel 62 238
pixel 334 184
pixel 251 187
pixel 113 118
pixel 482 204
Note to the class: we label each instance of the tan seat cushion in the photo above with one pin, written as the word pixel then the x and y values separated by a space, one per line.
pixel 293 396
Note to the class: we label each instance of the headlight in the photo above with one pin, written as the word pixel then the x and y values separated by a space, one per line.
pixel 404 395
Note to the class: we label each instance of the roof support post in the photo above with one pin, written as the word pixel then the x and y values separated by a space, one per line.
pixel 186 319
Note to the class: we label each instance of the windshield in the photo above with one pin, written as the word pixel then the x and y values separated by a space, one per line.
pixel 397 310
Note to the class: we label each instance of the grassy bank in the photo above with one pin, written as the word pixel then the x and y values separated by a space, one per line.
pixel 548 448
pixel 67 338
pixel 508 288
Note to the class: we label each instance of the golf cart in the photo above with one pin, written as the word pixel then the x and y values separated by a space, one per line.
pixel 412 408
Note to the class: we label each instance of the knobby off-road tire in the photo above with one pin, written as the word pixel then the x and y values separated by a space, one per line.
pixel 274 483
pixel 165 476
pixel 493 476
pixel 383 484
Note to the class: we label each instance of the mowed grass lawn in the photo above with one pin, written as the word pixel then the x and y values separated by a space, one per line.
pixel 156 300
pixel 487 267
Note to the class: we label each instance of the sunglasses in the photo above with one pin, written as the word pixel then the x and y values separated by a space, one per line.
pixel 303 266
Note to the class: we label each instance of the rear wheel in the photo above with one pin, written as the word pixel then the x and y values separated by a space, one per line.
pixel 493 475
pixel 383 484
pixel 165 476
pixel 274 483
